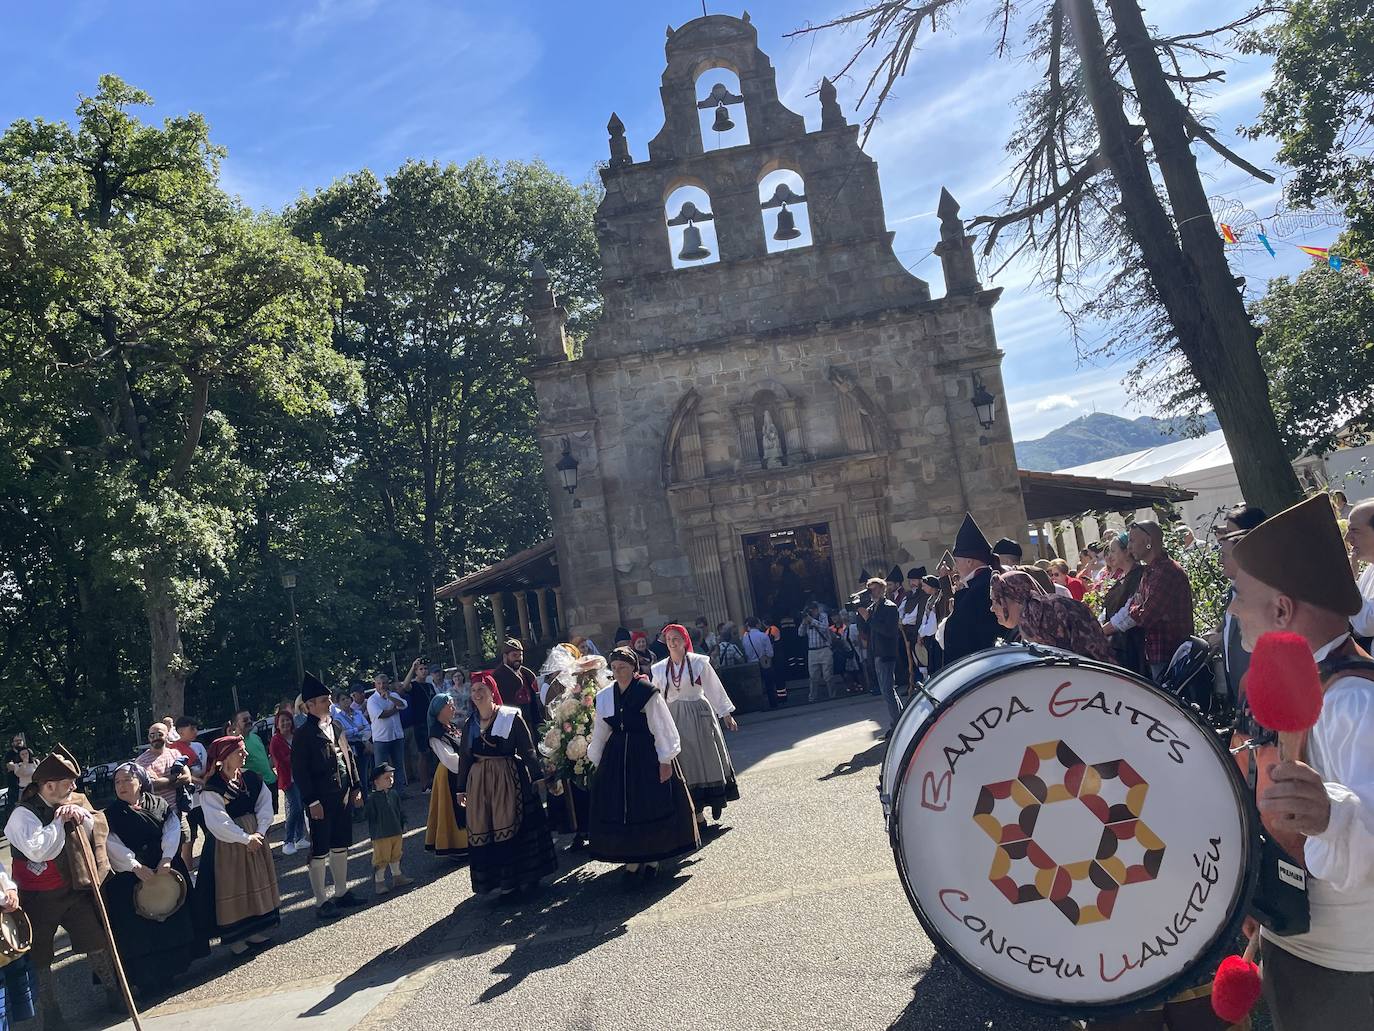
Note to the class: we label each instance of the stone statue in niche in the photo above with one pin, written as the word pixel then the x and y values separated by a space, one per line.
pixel 772 449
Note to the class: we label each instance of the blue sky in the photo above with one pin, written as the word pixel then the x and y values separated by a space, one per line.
pixel 303 92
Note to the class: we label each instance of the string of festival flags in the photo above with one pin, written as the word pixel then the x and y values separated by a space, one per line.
pixel 1335 261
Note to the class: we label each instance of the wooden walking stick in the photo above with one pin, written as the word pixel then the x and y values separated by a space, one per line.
pixel 89 857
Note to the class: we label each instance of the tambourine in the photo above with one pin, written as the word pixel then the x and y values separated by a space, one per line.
pixel 160 896
pixel 1066 833
pixel 16 936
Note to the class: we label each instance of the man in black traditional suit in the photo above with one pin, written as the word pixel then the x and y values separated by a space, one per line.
pixel 518 685
pixel 971 627
pixel 323 769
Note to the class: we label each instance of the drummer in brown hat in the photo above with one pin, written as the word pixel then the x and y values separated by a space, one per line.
pixel 1292 574
pixel 971 627
pixel 55 881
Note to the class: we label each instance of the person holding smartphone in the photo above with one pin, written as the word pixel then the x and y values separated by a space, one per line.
pixel 384 710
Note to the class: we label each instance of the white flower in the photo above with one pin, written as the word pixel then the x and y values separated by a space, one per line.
pixel 553 737
pixel 577 747
pixel 568 706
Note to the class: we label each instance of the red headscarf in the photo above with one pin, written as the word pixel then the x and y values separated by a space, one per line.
pixel 221 748
pixel 686 637
pixel 486 678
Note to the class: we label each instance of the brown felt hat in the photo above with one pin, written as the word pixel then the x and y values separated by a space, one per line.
pixel 59 764
pixel 1299 552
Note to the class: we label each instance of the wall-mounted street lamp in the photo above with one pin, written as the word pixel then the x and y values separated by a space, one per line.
pixel 567 471
pixel 984 403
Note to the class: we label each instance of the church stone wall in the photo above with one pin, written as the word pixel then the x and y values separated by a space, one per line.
pixel 866 381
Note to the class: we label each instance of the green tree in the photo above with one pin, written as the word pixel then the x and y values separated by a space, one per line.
pixel 1083 178
pixel 135 297
pixel 1317 344
pixel 1320 106
pixel 448 470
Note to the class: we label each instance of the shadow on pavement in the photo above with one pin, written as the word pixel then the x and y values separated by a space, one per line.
pixel 546 940
pixel 946 999
pixel 865 760
pixel 758 739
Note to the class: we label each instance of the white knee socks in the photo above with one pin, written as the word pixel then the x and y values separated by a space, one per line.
pixel 316 869
pixel 338 867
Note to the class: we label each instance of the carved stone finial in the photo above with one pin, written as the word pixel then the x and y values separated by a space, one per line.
pixel 541 296
pixel 831 115
pixel 671 30
pixel 620 147
pixel 745 17
pixel 955 249
pixel 951 226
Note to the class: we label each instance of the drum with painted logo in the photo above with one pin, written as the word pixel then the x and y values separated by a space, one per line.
pixel 1066 833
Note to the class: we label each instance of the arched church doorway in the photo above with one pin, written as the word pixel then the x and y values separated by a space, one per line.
pixel 789 569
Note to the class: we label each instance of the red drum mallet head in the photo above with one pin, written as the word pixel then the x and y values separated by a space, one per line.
pixel 1235 989
pixel 1283 687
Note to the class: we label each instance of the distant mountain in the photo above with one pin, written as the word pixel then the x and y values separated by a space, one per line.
pixel 1091 438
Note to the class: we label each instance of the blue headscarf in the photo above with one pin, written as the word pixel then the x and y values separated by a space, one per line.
pixel 138 773
pixel 437 729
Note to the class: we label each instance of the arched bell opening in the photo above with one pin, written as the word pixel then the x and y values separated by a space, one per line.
pixel 783 205
pixel 720 110
pixel 691 227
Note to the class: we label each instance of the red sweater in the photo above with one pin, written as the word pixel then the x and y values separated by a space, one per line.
pixel 280 750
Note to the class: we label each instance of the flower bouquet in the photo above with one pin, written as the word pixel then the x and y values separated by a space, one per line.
pixel 567 730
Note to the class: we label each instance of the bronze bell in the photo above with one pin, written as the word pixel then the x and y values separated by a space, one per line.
pixel 722 122
pixel 692 249
pixel 787 226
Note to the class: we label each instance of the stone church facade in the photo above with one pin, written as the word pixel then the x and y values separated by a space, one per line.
pixel 755 429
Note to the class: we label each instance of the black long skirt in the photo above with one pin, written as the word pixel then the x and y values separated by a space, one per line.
pixel 152 951
pixel 522 859
pixel 635 818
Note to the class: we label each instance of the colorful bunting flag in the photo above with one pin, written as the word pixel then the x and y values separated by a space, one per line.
pixel 1334 260
pixel 1227 233
pixel 1267 245
pixel 1316 252
pixel 1364 269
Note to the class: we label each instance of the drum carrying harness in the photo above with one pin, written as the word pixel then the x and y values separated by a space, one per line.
pixel 1280 901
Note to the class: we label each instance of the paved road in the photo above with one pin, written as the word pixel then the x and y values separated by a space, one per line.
pixel 793 918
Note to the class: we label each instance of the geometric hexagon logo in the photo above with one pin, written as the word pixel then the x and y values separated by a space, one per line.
pixel 1106 795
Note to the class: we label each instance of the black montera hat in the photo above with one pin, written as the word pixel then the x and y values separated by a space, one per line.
pixel 916 572
pixel 1007 546
pixel 312 688
pixel 970 542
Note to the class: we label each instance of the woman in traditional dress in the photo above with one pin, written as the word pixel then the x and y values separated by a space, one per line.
pixel 145 841
pixel 509 844
pixel 641 810
pixel 236 889
pixel 699 705
pixel 446 828
pixel 1021 604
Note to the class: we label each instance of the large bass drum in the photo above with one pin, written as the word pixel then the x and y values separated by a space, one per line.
pixel 1066 833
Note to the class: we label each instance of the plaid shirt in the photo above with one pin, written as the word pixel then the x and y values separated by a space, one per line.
pixel 1163 607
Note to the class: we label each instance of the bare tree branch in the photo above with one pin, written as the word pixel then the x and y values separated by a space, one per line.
pixel 1201 132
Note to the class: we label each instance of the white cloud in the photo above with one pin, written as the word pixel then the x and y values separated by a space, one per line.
pixel 1055 402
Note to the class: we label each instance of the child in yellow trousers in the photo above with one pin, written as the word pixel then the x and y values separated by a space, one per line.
pixel 386 824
